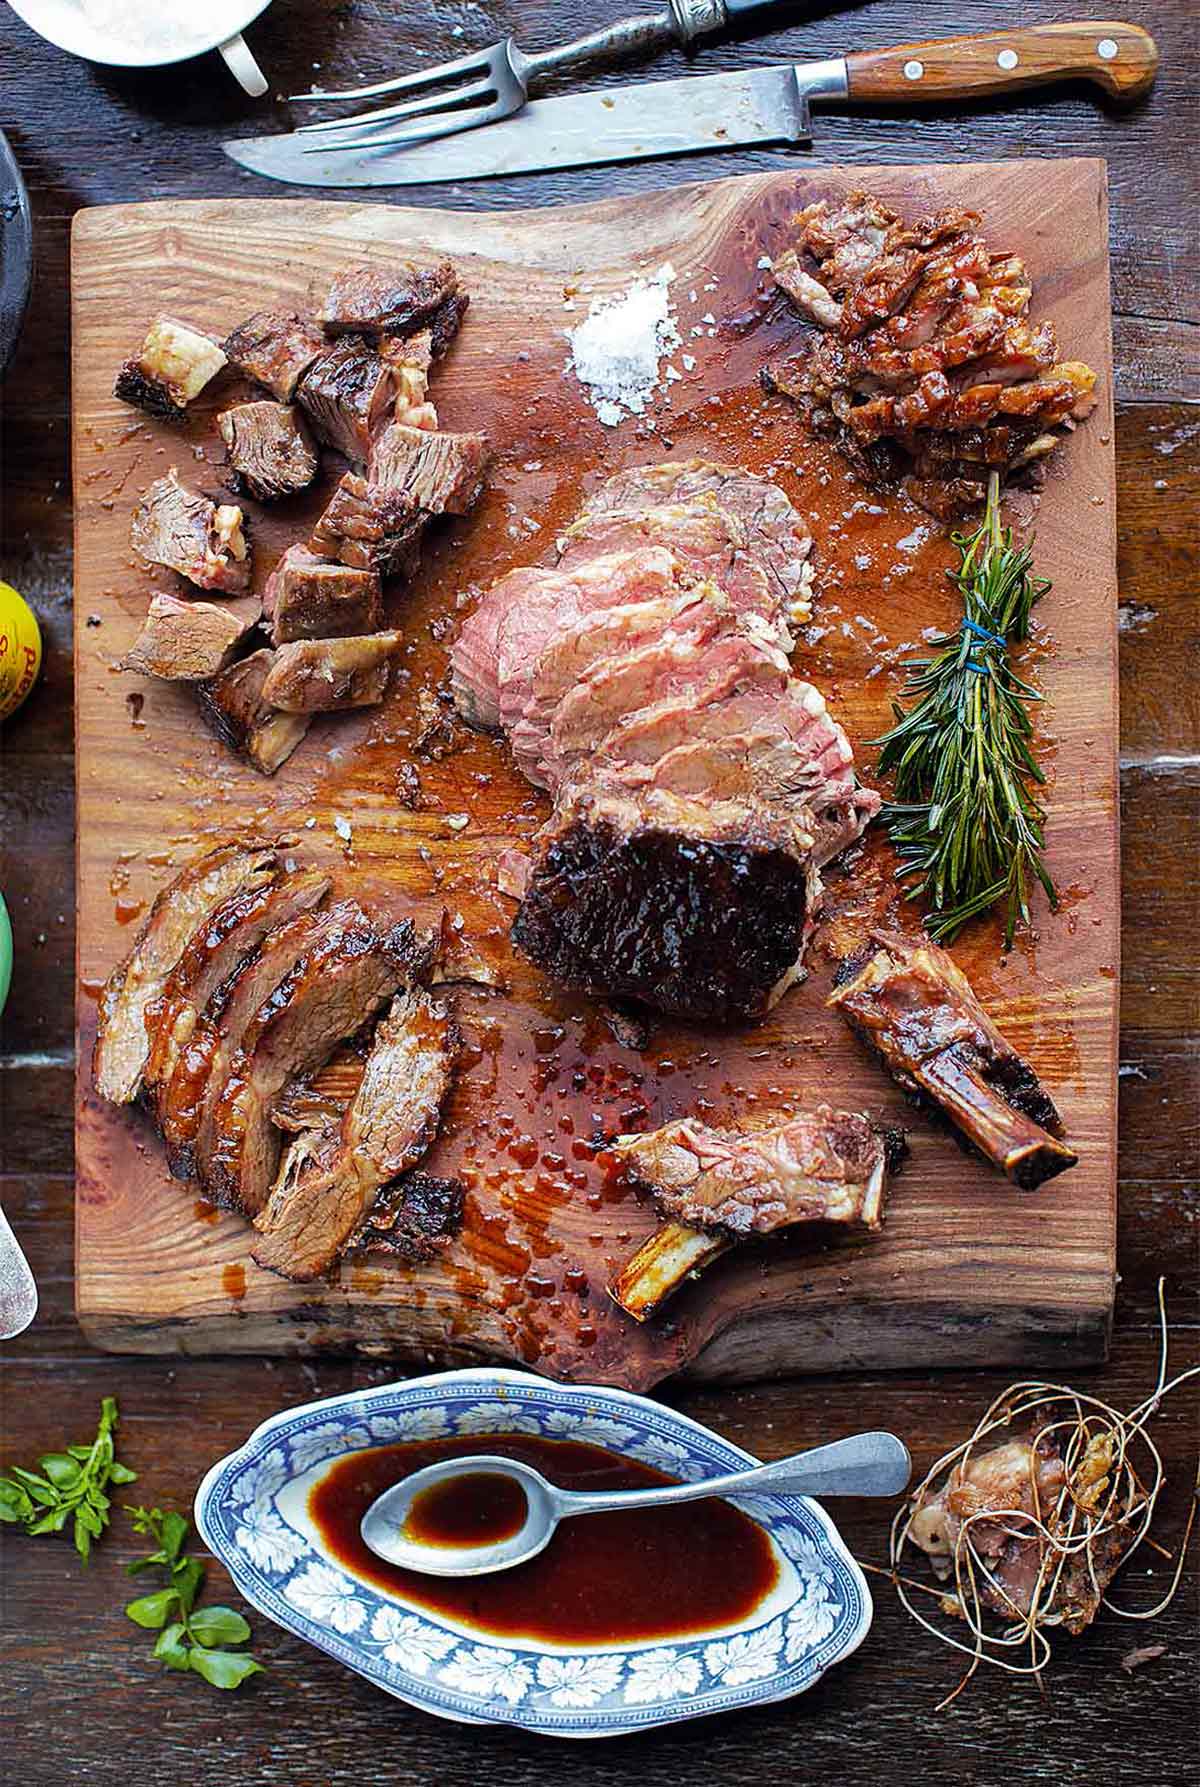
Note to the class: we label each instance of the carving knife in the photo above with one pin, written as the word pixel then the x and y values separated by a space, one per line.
pixel 721 111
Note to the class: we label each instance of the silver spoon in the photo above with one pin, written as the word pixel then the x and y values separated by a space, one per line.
pixel 864 1464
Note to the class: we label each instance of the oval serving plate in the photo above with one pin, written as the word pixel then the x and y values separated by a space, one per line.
pixel 251 1512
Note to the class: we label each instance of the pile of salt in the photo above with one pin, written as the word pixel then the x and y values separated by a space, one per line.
pixel 616 350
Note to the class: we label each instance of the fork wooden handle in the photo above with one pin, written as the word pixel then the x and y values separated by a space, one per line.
pixel 1123 59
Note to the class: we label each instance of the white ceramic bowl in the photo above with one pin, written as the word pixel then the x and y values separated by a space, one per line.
pixel 251 1510
pixel 129 34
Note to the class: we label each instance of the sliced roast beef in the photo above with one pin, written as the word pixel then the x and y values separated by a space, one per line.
pixel 191 534
pixel 233 931
pixel 276 349
pixel 172 367
pixel 915 1008
pixel 271 452
pixel 134 988
pixel 329 1183
pixel 311 598
pixel 187 641
pixel 415 1218
pixel 442 473
pixel 370 526
pixel 232 704
pixel 346 395
pixel 500 645
pixel 201 1068
pixel 694 907
pixel 313 676
pixel 392 300
pixel 348 970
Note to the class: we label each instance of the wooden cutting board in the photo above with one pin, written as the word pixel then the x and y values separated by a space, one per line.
pixel 968 1271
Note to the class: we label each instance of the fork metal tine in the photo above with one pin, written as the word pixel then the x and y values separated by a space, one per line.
pixel 427 105
pixel 476 62
pixel 426 131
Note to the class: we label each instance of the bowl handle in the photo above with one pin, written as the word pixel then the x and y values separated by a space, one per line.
pixel 242 66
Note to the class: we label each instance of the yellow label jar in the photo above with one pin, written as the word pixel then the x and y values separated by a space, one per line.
pixel 20 650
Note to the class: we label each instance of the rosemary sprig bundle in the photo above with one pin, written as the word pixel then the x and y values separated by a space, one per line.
pixel 965 819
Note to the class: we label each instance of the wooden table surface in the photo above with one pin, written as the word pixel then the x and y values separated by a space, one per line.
pixel 79 1698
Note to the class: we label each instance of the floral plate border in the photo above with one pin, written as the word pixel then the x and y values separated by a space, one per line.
pixel 244 1515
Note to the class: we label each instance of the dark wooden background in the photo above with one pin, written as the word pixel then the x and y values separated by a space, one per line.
pixel 79 1698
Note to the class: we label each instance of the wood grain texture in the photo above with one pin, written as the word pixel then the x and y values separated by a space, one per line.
pixel 954 1278
pixel 1121 59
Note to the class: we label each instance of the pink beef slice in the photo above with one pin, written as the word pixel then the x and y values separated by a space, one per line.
pixel 519 617
pixel 686 664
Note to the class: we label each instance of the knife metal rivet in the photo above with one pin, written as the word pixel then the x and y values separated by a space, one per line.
pixel 1106 49
pixel 913 71
pixel 1007 59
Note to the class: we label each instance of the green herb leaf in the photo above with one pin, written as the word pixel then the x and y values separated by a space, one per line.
pixel 61 1469
pixel 173 1532
pixel 224 1669
pixel 169 1647
pixel 15 1504
pixel 153 1611
pixel 186 1578
pixel 71 1485
pixel 218 1625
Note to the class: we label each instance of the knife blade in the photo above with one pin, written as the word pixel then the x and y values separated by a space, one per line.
pixel 718 111
pixel 605 124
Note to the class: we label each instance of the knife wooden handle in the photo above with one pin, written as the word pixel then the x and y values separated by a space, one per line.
pixel 1123 59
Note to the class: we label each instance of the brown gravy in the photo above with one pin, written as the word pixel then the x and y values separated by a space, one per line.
pixel 604 1578
pixel 481 1508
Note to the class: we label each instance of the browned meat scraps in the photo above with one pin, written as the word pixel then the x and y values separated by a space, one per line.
pixel 442 473
pixel 188 533
pixel 410 358
pixel 306 597
pixel 925 334
pixel 327 675
pixel 717 1186
pixel 136 985
pixel 270 450
pixel 415 1218
pixel 233 706
pixel 276 349
pixel 187 641
pixel 348 970
pixel 371 527
pixel 330 1179
pixel 699 787
pixel 915 1008
pixel 393 300
pixel 173 366
pixel 346 395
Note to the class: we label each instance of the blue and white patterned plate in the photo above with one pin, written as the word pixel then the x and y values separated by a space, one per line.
pixel 251 1511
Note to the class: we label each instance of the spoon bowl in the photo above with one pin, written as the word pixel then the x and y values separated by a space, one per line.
pixel 401 1527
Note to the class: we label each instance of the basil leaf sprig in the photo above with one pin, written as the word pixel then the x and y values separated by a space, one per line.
pixel 189 1637
pixel 965 820
pixel 68 1487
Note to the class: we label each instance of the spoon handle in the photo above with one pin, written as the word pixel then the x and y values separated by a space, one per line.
pixel 863 1464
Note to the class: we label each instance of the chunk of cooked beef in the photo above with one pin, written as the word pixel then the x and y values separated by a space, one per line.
pixel 392 300
pixel 415 1218
pixel 410 359
pixel 718 1185
pixel 233 706
pixel 914 1007
pixel 187 641
pixel 349 969
pixel 313 676
pixel 276 349
pixel 498 647
pixel 370 526
pixel 271 452
pixel 694 907
pixel 442 473
pixel 230 934
pixel 172 367
pixel 923 331
pixel 189 533
pixel 136 985
pixel 329 1181
pixel 346 395
pixel 187 1099
pixel 311 598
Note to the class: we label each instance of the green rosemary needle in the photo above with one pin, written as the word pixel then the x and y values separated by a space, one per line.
pixel 965 821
